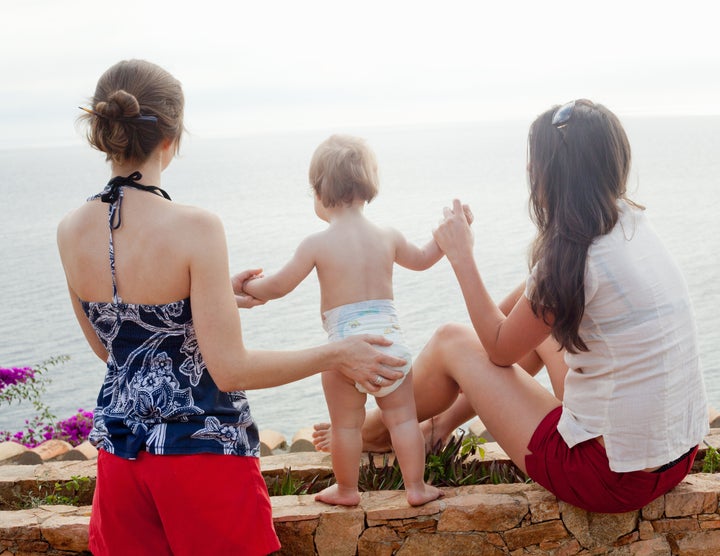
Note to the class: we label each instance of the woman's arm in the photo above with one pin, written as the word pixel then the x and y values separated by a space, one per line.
pixel 506 339
pixel 219 335
pixel 95 344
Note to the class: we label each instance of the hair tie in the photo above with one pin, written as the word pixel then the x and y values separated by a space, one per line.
pixel 139 117
pixel 91 112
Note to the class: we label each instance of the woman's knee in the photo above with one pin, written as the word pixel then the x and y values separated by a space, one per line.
pixel 453 338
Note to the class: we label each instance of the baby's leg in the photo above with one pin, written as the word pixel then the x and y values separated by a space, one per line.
pixel 400 418
pixel 347 413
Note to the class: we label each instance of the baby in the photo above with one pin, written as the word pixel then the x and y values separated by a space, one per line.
pixel 354 260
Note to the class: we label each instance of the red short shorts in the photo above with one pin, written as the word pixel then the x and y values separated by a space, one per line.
pixel 181 505
pixel 581 475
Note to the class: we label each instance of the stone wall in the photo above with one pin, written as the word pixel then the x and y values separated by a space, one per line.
pixel 488 520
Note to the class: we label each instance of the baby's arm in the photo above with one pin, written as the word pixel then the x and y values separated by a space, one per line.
pixel 417 258
pixel 413 257
pixel 287 278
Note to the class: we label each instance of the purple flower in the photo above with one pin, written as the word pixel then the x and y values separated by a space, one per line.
pixel 14 375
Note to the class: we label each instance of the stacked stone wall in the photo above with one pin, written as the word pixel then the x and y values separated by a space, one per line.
pixel 487 520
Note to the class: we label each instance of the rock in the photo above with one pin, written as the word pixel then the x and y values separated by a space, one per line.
pixel 477 428
pixel 484 512
pixel 302 441
pixel 714 416
pixel 13 452
pixel 271 441
pixel 594 530
pixel 338 532
pixel 51 449
pixel 81 452
pixel 66 532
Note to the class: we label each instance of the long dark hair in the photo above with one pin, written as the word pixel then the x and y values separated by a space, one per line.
pixel 577 171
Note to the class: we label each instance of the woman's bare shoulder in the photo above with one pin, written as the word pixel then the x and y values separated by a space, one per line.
pixel 76 222
pixel 189 220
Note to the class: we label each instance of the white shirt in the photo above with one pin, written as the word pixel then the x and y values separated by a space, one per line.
pixel 640 384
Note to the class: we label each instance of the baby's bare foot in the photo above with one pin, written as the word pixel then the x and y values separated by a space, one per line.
pixel 336 495
pixel 422 494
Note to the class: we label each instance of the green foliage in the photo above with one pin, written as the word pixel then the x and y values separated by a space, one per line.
pixel 286 484
pixel 30 389
pixel 69 492
pixel 385 477
pixel 458 463
pixel 75 492
pixel 711 463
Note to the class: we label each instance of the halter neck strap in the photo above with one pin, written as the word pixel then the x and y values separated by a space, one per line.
pixel 113 194
pixel 112 190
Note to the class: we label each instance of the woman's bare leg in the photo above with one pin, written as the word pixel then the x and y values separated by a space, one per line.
pixel 508 400
pixel 439 427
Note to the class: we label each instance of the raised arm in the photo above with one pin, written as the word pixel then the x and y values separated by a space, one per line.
pixel 287 278
pixel 413 257
pixel 421 258
pixel 506 339
pixel 217 325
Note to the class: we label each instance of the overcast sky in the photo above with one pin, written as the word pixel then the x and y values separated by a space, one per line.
pixel 266 65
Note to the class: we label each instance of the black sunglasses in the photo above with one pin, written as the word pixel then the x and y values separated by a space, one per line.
pixel 562 115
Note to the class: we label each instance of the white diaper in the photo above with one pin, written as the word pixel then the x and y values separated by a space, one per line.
pixel 378 317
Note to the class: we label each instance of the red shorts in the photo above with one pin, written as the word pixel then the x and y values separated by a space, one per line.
pixel 581 475
pixel 176 505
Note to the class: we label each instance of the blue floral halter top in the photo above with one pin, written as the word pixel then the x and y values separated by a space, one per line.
pixel 157 394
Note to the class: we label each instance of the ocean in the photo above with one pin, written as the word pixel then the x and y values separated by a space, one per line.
pixel 257 184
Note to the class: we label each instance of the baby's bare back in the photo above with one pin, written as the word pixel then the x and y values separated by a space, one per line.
pixel 355 263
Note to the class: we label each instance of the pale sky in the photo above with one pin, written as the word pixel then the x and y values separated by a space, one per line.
pixel 309 64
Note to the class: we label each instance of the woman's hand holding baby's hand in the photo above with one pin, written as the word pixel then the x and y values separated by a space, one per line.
pixel 453 234
pixel 243 299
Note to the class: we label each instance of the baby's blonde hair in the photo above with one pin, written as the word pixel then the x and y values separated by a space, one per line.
pixel 343 169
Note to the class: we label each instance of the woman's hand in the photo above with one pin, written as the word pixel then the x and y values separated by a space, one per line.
pixel 453 234
pixel 243 299
pixel 363 364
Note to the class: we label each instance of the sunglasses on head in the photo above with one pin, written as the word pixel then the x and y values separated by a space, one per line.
pixel 562 115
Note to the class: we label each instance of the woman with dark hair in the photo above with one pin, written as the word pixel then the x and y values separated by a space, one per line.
pixel 629 408
pixel 178 468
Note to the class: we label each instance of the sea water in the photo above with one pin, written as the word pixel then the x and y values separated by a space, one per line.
pixel 258 186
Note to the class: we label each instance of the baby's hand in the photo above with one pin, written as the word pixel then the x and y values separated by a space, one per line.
pixel 243 299
pixel 239 279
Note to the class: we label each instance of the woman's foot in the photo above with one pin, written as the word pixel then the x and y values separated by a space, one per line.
pixel 422 494
pixel 337 495
pixel 434 431
pixel 322 434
